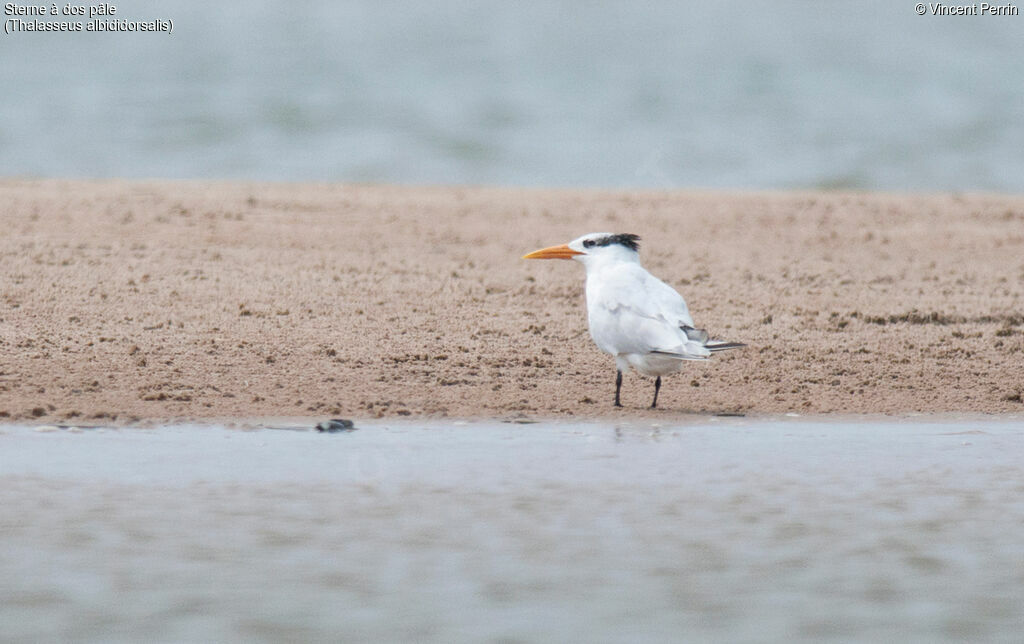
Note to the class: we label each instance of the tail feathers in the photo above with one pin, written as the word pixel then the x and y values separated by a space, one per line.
pixel 718 345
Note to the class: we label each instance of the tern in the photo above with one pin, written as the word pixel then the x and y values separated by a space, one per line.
pixel 635 317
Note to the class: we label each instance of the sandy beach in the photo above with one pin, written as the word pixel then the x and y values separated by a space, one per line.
pixel 127 302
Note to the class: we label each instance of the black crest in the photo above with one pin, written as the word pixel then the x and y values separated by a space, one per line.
pixel 629 240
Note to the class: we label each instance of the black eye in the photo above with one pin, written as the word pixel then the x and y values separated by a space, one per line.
pixel 588 243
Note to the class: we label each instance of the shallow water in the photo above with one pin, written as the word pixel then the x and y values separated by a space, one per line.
pixel 711 529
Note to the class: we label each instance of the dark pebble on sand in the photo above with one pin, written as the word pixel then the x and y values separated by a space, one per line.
pixel 336 425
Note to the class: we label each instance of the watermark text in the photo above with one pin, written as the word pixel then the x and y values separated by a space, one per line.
pixel 67 16
pixel 974 9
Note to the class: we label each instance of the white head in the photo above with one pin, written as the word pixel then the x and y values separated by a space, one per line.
pixel 593 248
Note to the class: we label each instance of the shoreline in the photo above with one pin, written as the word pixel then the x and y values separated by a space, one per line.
pixel 675 422
pixel 133 302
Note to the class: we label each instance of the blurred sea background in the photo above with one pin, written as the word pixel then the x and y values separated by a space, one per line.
pixel 788 94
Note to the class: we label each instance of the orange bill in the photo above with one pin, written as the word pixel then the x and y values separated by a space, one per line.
pixel 553 252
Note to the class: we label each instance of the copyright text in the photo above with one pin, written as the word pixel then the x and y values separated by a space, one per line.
pixel 975 9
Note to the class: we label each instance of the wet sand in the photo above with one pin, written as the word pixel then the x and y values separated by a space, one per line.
pixel 724 530
pixel 146 301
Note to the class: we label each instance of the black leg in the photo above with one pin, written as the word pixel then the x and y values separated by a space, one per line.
pixel 618 387
pixel 657 386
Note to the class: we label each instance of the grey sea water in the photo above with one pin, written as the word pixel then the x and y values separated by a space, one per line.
pixel 732 94
pixel 705 529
